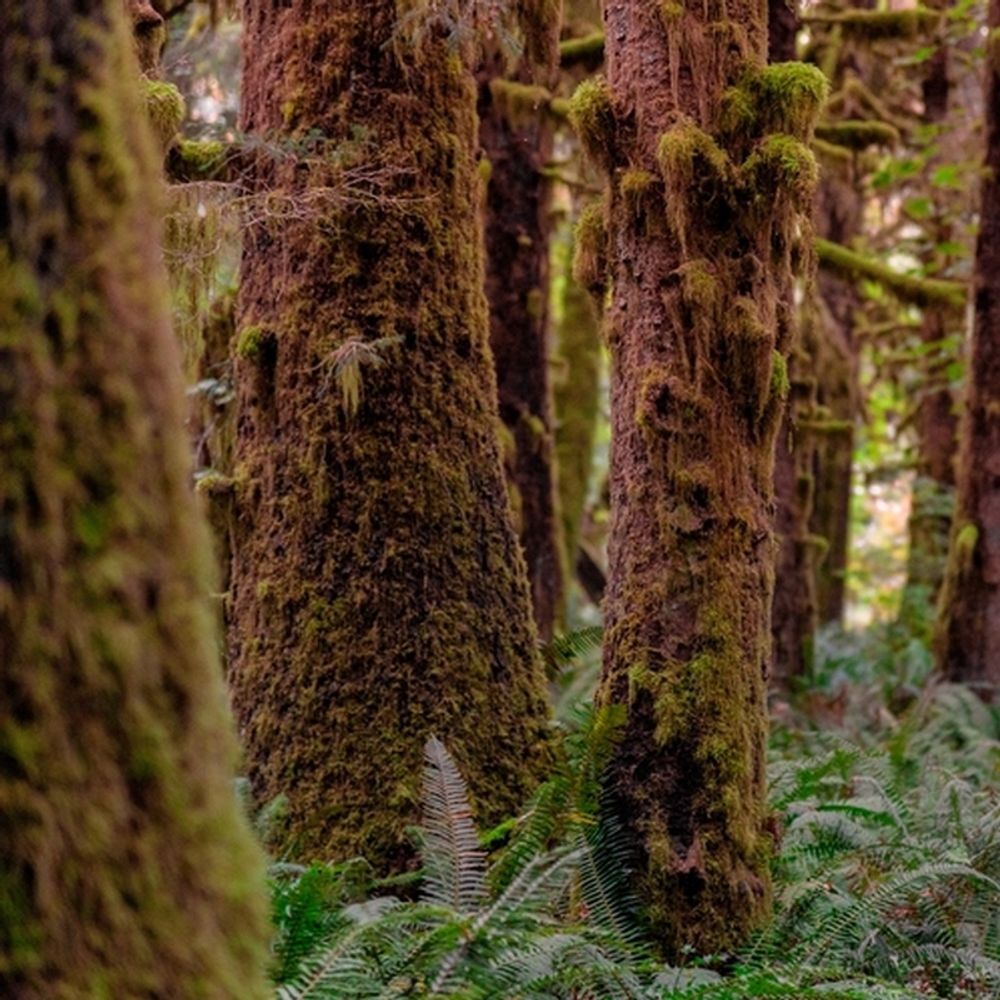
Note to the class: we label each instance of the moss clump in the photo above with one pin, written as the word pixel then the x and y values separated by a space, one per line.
pixel 196 160
pixel 780 382
pixel 859 134
pixel 670 12
pixel 781 162
pixel 518 102
pixel 635 186
pixel 782 97
pixel 165 109
pixel 592 117
pixel 695 170
pixel 590 255
pixel 251 342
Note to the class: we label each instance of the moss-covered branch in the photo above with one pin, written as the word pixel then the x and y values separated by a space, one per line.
pixel 858 134
pixel 906 287
pixel 191 160
pixel 874 25
pixel 588 49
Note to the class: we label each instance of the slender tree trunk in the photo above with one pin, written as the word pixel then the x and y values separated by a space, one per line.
pixel 516 134
pixel 837 218
pixel 127 869
pixel 969 627
pixel 936 421
pixel 793 614
pixel 577 397
pixel 710 178
pixel 378 594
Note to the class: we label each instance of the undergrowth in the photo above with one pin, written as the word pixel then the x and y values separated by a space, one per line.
pixel 887 878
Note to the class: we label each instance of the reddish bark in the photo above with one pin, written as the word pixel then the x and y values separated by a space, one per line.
pixel 699 328
pixel 516 135
pixel 378 595
pixel 969 636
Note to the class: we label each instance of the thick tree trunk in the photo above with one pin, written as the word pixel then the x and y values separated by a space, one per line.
pixel 127 869
pixel 710 179
pixel 378 594
pixel 516 134
pixel 969 628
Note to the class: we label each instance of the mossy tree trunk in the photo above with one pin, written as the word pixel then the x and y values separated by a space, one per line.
pixel 378 593
pixel 516 134
pixel 127 869
pixel 577 396
pixel 969 627
pixel 711 179
pixel 793 614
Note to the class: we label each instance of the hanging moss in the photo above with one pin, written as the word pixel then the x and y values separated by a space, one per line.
pixel 128 870
pixel 782 162
pixel 593 119
pixel 590 239
pixel 165 108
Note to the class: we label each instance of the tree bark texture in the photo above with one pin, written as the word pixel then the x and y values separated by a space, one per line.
pixel 793 613
pixel 516 134
pixel 710 181
pixel 127 868
pixel 378 593
pixel 969 627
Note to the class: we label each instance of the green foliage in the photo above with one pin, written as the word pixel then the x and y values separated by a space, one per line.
pixel 887 882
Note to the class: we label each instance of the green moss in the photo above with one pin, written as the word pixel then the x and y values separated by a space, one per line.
pixel 694 168
pixel 781 162
pixel 635 186
pixel 873 25
pixel 519 102
pixel 780 383
pixel 670 12
pixel 966 539
pixel 590 237
pixel 856 135
pixel 783 97
pixel 197 160
pixel 165 109
pixel 589 47
pixel 592 116
pixel 250 343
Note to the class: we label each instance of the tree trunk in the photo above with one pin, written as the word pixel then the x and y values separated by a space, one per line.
pixel 710 178
pixel 932 501
pixel 516 134
pixel 837 218
pixel 127 869
pixel 577 398
pixel 969 627
pixel 378 594
pixel 793 613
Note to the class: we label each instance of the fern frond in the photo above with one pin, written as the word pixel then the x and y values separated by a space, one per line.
pixel 453 862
